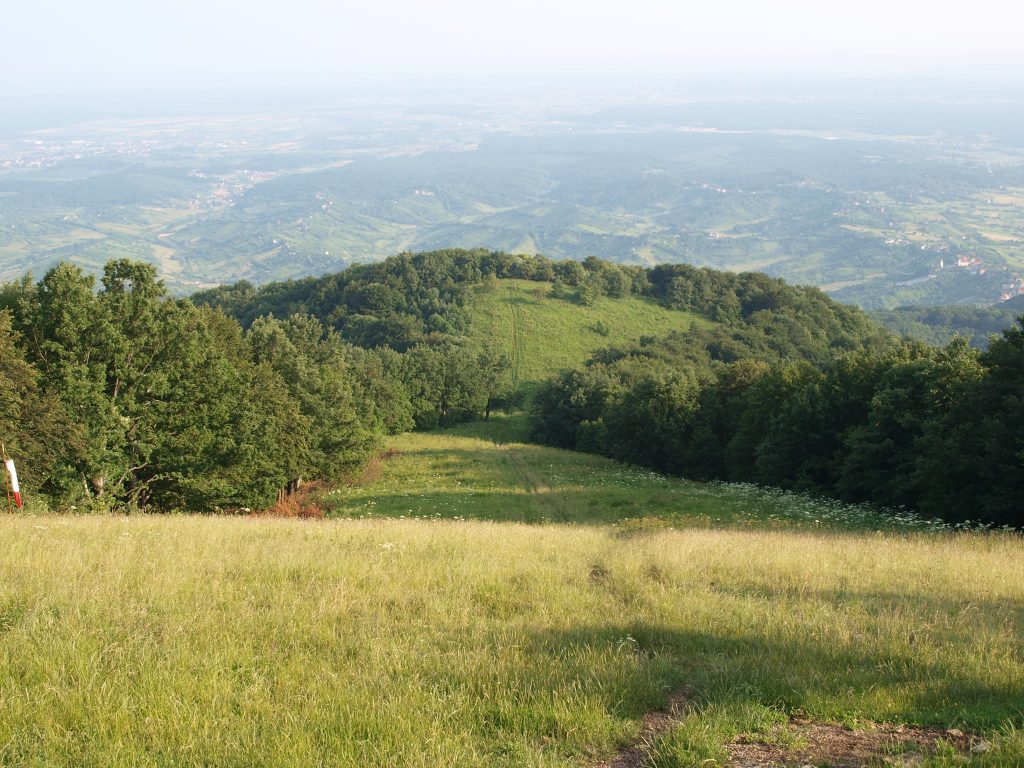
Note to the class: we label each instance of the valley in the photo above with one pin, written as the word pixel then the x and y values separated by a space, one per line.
pixel 866 214
pixel 530 385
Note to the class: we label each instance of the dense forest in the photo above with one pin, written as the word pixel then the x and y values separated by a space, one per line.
pixel 900 424
pixel 119 394
pixel 126 396
pixel 938 325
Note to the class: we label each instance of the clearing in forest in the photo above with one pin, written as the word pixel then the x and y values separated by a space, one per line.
pixel 542 334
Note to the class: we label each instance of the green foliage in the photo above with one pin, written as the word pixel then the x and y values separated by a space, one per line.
pixel 417 298
pixel 33 426
pixel 158 402
pixel 938 325
pixel 153 402
pixel 443 385
pixel 400 302
pixel 331 437
pixel 972 464
pixel 900 425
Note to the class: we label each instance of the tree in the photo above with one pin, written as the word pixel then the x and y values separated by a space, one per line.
pixel 314 367
pixel 883 453
pixel 972 467
pixel 33 424
pixel 444 384
pixel 496 381
pixel 650 424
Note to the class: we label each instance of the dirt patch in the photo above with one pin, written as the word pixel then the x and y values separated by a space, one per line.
pixel 374 468
pixel 804 742
pixel 301 503
pixel 636 755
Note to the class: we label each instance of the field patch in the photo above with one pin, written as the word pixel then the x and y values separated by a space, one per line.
pixel 542 334
pixel 195 641
pixel 487 471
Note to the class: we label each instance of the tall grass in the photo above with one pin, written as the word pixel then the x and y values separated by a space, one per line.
pixel 264 642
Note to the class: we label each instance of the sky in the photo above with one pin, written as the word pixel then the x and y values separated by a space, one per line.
pixel 70 45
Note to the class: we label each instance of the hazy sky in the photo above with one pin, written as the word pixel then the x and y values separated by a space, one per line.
pixel 71 44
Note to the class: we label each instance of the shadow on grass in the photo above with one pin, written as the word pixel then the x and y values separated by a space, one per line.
pixel 500 428
pixel 1002 611
pixel 733 671
pixel 596 507
pixel 636 511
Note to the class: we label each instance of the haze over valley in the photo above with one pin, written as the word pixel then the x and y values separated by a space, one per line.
pixel 882 194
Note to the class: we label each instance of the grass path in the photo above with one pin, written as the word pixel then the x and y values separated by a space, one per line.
pixel 486 471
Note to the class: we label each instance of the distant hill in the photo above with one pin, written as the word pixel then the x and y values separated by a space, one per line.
pixel 548 315
pixel 867 217
pixel 938 325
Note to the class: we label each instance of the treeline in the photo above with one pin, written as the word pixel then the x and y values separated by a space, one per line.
pixel 119 394
pixel 417 298
pixel 126 396
pixel 414 298
pixel 938 325
pixel 899 424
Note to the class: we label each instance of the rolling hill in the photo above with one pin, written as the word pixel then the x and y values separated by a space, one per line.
pixel 788 189
pixel 938 325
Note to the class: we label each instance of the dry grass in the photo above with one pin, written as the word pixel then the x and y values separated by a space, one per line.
pixel 264 642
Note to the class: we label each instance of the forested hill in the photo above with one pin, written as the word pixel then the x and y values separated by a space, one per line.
pixel 414 298
pixel 938 325
pixel 119 394
pixel 902 424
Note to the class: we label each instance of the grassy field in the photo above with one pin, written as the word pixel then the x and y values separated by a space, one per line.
pixel 542 334
pixel 380 641
pixel 486 471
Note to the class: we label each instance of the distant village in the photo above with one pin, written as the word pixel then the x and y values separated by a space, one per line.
pixel 972 263
pixel 1009 289
pixel 1012 288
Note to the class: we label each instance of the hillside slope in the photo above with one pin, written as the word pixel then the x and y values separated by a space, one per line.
pixel 220 641
pixel 487 471
pixel 938 325
pixel 542 334
pixel 416 298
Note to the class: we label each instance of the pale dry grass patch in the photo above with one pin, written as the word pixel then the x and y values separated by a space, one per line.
pixel 213 641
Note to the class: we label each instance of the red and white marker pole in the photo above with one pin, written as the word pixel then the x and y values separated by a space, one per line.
pixel 13 474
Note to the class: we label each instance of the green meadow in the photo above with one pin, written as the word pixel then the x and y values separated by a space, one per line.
pixel 476 601
pixel 542 334
pixel 487 471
